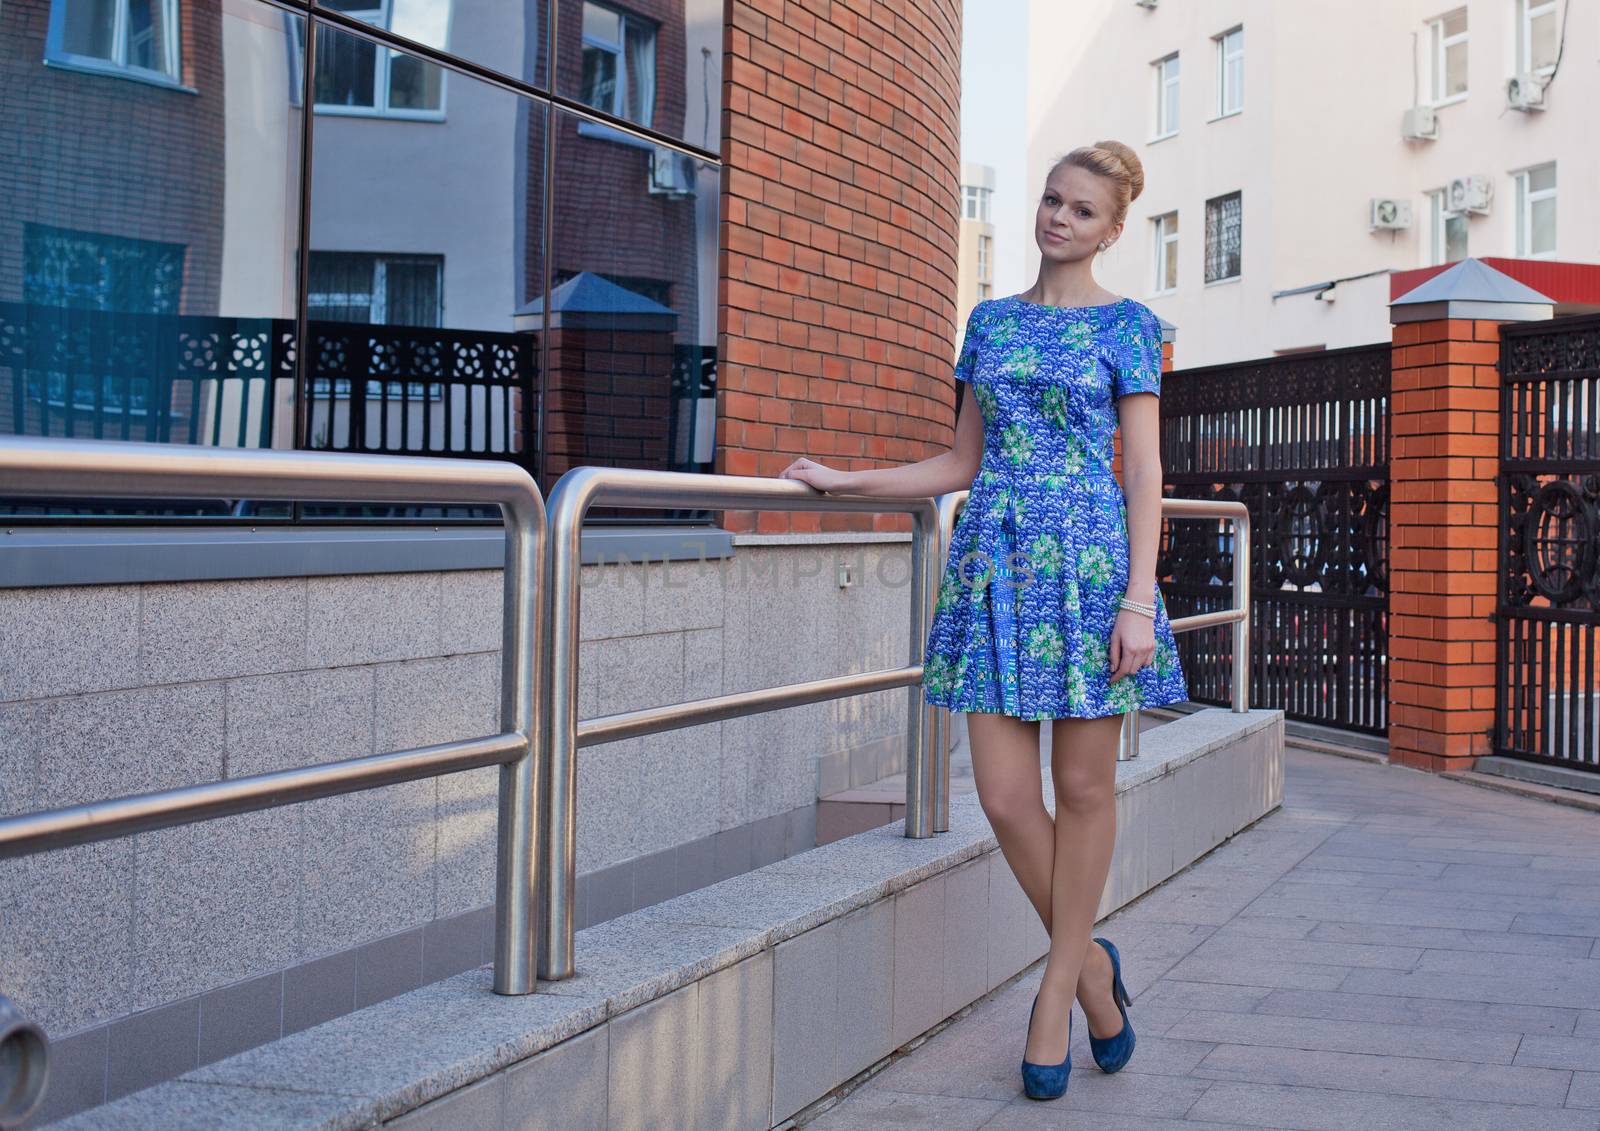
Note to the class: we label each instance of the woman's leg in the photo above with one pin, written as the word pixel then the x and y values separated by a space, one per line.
pixel 1005 768
pixel 1084 765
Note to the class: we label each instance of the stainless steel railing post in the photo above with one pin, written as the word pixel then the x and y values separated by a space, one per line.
pixel 570 498
pixel 1238 515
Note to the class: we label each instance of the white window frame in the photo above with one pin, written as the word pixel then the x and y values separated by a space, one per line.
pixel 619 94
pixel 1225 108
pixel 1437 251
pixel 1523 214
pixel 1168 74
pixel 985 256
pixel 1164 234
pixel 380 15
pixel 1526 13
pixel 56 54
pixel 1438 46
pixel 975 203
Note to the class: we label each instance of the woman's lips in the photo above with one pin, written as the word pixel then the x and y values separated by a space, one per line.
pixel 1057 239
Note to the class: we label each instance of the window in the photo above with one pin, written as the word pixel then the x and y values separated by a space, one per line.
pixel 1536 211
pixel 1447 57
pixel 1166 96
pixel 63 267
pixel 1447 241
pixel 619 64
pixel 1166 245
pixel 68 269
pixel 1537 42
pixel 985 291
pixel 1230 72
pixel 381 290
pixel 1224 215
pixel 130 38
pixel 985 257
pixel 356 76
pixel 975 202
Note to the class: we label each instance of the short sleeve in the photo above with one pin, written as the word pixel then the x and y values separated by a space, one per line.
pixel 967 358
pixel 1137 366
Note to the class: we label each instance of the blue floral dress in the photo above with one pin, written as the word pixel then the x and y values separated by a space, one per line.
pixel 1039 553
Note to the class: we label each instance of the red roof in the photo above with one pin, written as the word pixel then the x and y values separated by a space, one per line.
pixel 1561 282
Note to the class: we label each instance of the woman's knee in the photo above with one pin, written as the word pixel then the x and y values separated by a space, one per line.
pixel 1083 794
pixel 1011 804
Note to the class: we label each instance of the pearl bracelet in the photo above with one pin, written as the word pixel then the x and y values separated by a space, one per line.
pixel 1137 607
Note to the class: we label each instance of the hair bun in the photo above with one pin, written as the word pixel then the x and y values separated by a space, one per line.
pixel 1130 163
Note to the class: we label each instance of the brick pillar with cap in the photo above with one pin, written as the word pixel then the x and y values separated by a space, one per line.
pixel 1444 413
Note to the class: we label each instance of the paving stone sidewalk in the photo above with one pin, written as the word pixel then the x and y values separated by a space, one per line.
pixel 1387 950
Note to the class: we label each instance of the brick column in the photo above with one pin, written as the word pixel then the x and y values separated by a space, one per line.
pixel 1443 515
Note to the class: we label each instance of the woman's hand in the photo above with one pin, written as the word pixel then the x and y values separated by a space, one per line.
pixel 1133 643
pixel 822 478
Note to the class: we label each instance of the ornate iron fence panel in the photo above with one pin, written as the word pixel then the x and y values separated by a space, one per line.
pixel 1303 441
pixel 1547 636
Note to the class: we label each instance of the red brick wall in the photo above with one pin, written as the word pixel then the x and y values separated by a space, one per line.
pixel 841 126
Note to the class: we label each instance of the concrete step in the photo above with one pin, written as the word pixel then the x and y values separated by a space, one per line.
pixel 1575 798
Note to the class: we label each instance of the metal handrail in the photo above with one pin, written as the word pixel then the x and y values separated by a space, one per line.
pixel 1239 615
pixel 73 468
pixel 571 497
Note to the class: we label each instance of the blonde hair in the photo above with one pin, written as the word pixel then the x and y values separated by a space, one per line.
pixel 1117 163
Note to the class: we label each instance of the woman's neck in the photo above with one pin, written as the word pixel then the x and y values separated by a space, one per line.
pixel 1069 285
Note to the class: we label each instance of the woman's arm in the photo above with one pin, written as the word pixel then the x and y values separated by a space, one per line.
pixel 953 470
pixel 1141 485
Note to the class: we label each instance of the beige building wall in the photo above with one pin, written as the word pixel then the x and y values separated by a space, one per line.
pixel 975 257
pixel 1318 136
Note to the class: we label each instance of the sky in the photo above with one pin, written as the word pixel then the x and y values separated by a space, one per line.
pixel 994 91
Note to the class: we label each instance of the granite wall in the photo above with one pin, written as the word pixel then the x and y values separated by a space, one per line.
pixel 145 956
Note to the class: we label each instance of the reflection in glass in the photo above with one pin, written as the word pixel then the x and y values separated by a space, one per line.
pixel 356 76
pixel 426 239
pixel 136 36
pixel 657 63
pixel 508 36
pixel 632 341
pixel 141 297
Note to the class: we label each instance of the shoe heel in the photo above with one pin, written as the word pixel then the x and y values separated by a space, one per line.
pixel 1111 1053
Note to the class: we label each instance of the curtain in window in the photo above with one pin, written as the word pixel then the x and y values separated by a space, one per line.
pixel 640 47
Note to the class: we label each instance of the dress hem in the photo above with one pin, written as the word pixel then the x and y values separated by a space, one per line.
pixel 968 710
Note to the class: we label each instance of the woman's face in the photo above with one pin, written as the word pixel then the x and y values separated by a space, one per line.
pixel 1074 215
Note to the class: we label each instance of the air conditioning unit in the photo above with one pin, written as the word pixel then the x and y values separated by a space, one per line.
pixel 1471 194
pixel 1420 123
pixel 1525 92
pixel 671 172
pixel 1389 212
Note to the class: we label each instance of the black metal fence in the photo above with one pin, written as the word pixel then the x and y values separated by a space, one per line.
pixel 237 382
pixel 1547 703
pixel 1303 441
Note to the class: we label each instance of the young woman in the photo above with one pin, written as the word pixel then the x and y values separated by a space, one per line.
pixel 1048 608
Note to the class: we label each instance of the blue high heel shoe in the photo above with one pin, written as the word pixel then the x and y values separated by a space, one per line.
pixel 1047 1081
pixel 1111 1053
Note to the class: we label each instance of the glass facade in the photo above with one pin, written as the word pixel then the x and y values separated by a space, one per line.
pixel 474 269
